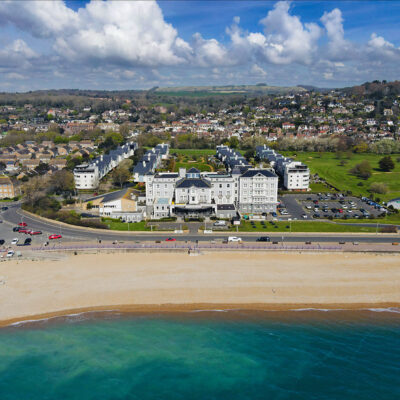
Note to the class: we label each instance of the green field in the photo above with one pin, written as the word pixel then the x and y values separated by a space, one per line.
pixel 183 93
pixel 301 226
pixel 328 167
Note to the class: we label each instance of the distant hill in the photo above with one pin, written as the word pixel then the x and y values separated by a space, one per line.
pixel 226 90
pixel 376 90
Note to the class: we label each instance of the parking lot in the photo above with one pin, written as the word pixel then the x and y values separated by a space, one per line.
pixel 326 206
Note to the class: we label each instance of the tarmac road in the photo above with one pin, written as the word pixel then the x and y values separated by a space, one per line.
pixel 15 215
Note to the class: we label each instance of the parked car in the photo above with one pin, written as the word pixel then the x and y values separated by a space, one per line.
pixel 264 239
pixel 15 241
pixel 304 216
pixel 2 241
pixel 16 229
pixel 54 236
pixel 35 232
pixel 234 239
pixel 274 214
pixel 219 223
pixel 26 231
pixel 23 224
pixel 4 208
pixel 27 241
pixel 10 253
pixel 170 239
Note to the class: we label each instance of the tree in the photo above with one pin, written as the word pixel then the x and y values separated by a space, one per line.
pixel 34 189
pixel 361 147
pixel 63 181
pixel 378 187
pixel 234 142
pixel 120 175
pixel 386 164
pixel 363 170
pixel 42 168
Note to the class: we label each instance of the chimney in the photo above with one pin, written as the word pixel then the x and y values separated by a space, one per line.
pixel 182 172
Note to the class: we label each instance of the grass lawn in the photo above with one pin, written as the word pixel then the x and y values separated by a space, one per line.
pixel 327 166
pixel 193 152
pixel 123 226
pixel 199 165
pixel 300 226
pixel 319 188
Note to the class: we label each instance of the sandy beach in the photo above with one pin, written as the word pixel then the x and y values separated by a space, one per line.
pixel 179 282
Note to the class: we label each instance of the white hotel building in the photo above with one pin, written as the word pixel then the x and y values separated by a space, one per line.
pixel 191 193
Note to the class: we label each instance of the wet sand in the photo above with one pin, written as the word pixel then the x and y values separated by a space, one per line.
pixel 177 282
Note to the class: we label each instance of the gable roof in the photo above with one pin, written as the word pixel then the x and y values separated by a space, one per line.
pixel 253 172
pixel 189 182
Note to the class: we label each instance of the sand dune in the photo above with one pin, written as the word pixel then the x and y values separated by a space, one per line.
pixel 138 281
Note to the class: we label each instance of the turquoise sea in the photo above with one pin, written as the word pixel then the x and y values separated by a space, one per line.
pixel 206 355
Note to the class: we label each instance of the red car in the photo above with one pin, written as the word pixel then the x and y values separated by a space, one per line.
pixel 170 240
pixel 26 231
pixel 35 232
pixel 23 224
pixel 55 237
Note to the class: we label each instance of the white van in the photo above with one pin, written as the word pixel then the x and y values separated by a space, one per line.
pixel 234 239
pixel 219 223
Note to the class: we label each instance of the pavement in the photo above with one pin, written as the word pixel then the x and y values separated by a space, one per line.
pixel 15 215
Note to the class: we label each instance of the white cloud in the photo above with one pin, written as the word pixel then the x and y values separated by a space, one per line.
pixel 287 39
pixel 115 32
pixel 257 71
pixel 41 18
pixel 15 75
pixel 17 54
pixel 338 47
pixel 378 46
pixel 208 52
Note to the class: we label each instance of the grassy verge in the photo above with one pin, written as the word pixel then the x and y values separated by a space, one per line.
pixel 117 225
pixel 390 219
pixel 301 226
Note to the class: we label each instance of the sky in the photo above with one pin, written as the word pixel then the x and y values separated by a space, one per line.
pixel 121 44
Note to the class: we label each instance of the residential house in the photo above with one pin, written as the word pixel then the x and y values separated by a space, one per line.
pixel 6 188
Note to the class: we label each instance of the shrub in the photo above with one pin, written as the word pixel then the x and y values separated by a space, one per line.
pixel 362 170
pixel 378 187
pixel 388 229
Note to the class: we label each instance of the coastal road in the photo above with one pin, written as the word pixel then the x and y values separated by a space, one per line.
pixel 15 215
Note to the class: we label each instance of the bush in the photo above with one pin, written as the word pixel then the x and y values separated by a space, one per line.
pixel 378 187
pixel 362 170
pixel 94 224
pixel 388 229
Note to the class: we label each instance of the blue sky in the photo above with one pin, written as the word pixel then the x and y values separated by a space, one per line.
pixel 134 44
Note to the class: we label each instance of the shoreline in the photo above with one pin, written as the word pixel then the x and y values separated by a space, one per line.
pixel 178 283
pixel 190 309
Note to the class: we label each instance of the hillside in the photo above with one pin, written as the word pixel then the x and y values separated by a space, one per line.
pixel 261 89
